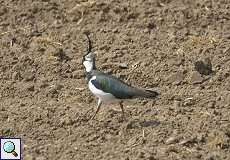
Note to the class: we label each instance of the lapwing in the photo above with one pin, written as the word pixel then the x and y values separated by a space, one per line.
pixel 108 88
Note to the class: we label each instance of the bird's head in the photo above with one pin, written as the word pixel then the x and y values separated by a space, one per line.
pixel 88 59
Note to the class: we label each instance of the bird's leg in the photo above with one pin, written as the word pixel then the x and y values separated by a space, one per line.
pixel 98 108
pixel 122 109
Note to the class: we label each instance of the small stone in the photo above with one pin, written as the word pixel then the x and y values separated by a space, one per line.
pixel 28 76
pixel 133 124
pixel 151 25
pixel 189 101
pixel 146 30
pixel 196 78
pixel 58 86
pixel 123 65
pixel 15 75
pixel 29 87
pixel 218 98
pixel 21 104
pixel 52 91
pixel 211 104
pixel 115 30
pixel 172 140
pixel 176 104
pixel 66 121
pixel 132 141
pixel 188 141
pixel 172 148
pixel 176 78
pixel 178 61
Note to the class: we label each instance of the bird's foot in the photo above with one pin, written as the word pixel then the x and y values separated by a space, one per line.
pixel 122 119
pixel 92 117
pixel 86 114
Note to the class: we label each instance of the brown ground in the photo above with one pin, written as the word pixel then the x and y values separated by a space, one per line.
pixel 44 96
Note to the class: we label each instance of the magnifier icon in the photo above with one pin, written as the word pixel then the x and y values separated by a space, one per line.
pixel 9 147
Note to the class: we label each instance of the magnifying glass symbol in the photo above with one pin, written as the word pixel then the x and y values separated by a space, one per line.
pixel 9 147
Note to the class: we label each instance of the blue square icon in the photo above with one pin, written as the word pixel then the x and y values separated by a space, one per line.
pixel 10 149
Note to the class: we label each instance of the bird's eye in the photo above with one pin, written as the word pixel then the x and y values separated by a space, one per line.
pixel 83 59
pixel 88 58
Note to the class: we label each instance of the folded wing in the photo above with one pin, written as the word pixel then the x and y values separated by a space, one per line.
pixel 120 89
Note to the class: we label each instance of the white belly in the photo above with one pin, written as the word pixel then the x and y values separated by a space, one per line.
pixel 104 97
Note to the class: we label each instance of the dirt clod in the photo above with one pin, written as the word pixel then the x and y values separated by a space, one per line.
pixel 177 47
pixel 204 66
pixel 176 78
pixel 196 78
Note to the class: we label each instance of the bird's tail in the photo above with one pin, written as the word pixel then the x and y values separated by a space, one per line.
pixel 151 94
pixel 146 93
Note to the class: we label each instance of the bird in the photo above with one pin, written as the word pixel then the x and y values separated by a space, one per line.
pixel 108 88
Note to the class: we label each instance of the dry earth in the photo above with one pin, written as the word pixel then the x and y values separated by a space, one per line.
pixel 149 43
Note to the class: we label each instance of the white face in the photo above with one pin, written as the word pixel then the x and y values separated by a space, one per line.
pixel 89 62
pixel 88 65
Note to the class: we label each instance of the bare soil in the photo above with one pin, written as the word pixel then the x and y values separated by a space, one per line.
pixel 44 97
